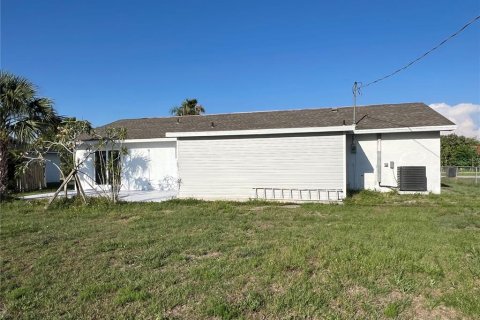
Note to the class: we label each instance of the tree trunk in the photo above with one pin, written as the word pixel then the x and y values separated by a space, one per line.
pixel 3 169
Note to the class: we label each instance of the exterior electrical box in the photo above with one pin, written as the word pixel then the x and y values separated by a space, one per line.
pixel 412 178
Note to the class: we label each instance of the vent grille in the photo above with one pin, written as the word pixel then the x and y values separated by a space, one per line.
pixel 412 178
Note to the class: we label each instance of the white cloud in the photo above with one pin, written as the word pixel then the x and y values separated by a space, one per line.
pixel 465 115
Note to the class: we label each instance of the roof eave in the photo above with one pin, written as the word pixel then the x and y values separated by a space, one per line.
pixel 407 129
pixel 188 134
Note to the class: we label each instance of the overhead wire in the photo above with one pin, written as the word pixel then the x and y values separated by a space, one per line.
pixel 420 57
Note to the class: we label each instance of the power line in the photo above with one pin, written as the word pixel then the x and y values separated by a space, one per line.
pixel 420 57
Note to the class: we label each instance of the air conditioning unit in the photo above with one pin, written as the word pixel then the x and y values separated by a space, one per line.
pixel 452 172
pixel 412 178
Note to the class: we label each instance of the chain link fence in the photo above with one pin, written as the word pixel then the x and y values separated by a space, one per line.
pixel 461 173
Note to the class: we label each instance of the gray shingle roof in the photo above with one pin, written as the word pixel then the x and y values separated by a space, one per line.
pixel 368 117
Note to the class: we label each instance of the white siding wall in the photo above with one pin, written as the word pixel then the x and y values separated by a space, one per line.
pixel 148 166
pixel 228 168
pixel 405 149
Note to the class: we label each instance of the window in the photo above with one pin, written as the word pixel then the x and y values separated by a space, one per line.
pixel 107 167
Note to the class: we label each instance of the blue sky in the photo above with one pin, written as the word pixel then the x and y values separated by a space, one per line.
pixel 106 60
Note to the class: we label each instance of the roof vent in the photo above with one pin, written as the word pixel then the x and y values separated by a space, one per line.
pixel 334 110
pixel 178 120
pixel 212 124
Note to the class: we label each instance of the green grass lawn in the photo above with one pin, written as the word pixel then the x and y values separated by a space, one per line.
pixel 376 256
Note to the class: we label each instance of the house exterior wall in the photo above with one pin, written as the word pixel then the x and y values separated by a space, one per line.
pixel 404 149
pixel 147 166
pixel 230 167
pixel 52 173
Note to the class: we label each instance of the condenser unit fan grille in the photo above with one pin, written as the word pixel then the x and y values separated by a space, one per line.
pixel 412 178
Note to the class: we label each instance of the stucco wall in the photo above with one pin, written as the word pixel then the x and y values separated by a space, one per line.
pixel 147 166
pixel 404 149
pixel 228 168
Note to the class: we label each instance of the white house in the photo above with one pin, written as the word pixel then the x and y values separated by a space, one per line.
pixel 52 171
pixel 309 154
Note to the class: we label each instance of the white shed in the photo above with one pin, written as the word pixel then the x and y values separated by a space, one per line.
pixel 299 155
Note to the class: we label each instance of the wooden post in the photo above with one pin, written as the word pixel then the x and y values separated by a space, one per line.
pixel 79 188
pixel 64 183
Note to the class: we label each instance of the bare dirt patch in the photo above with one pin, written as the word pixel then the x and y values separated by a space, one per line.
pixel 323 215
pixel 355 290
pixel 208 255
pixel 418 307
pixel 472 227
pixel 264 225
pixel 291 206
pixel 339 305
pixel 394 296
pixel 259 208
pixel 420 310
pixel 179 311
pixel 276 288
pixel 127 220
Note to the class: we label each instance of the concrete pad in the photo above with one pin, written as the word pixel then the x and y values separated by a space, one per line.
pixel 124 195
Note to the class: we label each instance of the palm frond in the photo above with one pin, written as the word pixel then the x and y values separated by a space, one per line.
pixel 189 107
pixel 23 115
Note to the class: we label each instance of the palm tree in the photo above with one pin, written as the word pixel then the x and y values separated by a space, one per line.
pixel 23 117
pixel 189 107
